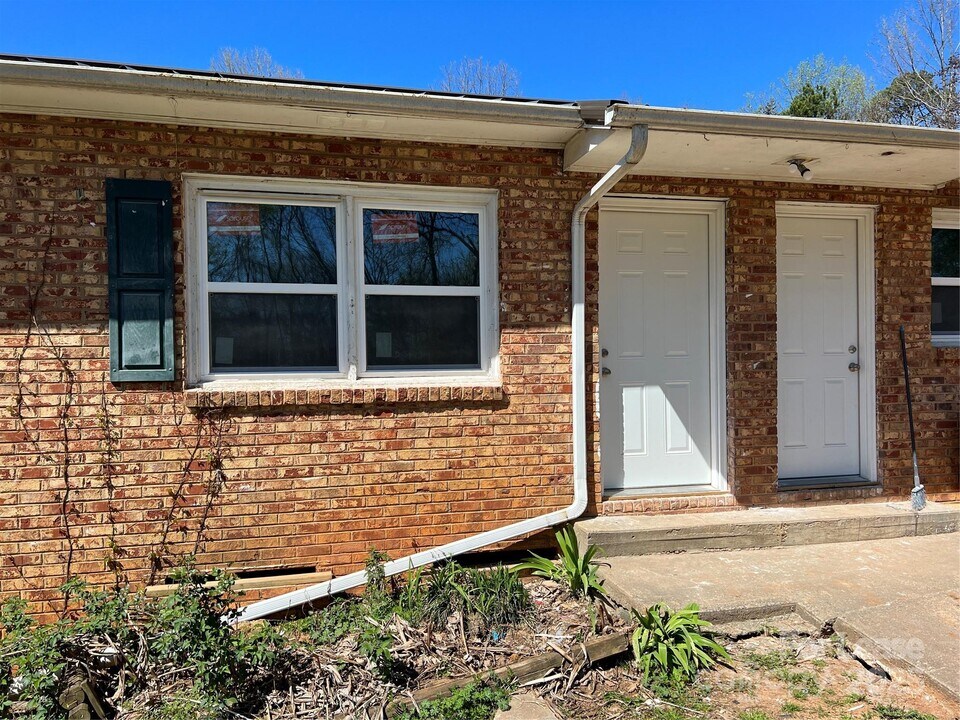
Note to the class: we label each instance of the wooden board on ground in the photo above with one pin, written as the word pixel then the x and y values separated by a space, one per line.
pixel 528 669
pixel 267 582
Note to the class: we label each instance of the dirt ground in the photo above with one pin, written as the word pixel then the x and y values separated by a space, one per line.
pixel 781 669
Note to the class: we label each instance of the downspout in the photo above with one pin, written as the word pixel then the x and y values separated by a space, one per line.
pixel 281 603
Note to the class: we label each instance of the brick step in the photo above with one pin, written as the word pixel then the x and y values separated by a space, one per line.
pixel 763 527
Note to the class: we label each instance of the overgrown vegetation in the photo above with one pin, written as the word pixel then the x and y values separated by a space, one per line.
pixel 488 600
pixel 575 570
pixel 671 643
pixel 181 658
pixel 125 641
pixel 477 701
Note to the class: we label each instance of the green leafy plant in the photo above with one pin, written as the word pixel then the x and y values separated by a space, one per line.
pixel 497 597
pixel 770 661
pixel 186 635
pixel 477 701
pixel 41 655
pixel 575 570
pixel 669 642
pixel 190 628
pixel 38 654
pixel 891 712
pixel 488 599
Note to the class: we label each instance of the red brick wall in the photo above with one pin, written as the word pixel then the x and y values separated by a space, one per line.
pixel 306 484
pixel 902 247
pixel 317 481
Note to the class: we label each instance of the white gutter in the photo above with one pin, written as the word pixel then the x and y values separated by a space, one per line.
pixel 281 603
pixel 276 94
pixel 779 126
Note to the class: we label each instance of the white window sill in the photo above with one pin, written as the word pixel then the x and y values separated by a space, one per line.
pixel 945 341
pixel 374 391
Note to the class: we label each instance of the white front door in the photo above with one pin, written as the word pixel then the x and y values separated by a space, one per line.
pixel 654 331
pixel 818 347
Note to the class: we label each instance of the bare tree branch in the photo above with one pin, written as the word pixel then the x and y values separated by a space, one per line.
pixel 920 55
pixel 256 62
pixel 474 76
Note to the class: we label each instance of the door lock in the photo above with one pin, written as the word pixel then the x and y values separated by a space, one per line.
pixel 605 371
pixel 852 349
pixel 604 352
pixel 853 367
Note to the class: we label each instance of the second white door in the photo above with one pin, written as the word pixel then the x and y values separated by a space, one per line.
pixel 818 348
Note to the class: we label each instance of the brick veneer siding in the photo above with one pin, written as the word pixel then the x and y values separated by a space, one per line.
pixel 902 248
pixel 317 479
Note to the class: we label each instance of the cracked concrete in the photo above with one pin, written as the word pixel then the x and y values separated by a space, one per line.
pixel 897 599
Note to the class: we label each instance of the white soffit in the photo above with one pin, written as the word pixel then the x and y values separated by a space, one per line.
pixel 729 145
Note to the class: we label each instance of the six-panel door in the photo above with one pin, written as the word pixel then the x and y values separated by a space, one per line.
pixel 655 336
pixel 818 349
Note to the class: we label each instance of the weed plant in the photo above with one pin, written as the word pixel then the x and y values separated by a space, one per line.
pixel 576 570
pixel 477 701
pixel 674 644
pixel 126 641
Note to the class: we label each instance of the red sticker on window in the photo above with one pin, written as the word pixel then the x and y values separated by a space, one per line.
pixel 233 219
pixel 399 227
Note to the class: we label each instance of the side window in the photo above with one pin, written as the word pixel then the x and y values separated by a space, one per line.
pixel 421 294
pixel 271 278
pixel 945 279
pixel 341 282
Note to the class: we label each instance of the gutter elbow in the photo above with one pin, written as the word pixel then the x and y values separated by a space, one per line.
pixel 639 135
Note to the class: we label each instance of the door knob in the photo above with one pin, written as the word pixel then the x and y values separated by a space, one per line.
pixel 605 371
pixel 853 367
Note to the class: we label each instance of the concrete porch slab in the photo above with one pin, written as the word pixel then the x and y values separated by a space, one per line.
pixel 898 599
pixel 763 527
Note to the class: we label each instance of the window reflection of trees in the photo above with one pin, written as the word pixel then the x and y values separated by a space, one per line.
pixel 447 252
pixel 294 244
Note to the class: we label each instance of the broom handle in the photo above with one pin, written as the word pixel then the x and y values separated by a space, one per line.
pixel 906 382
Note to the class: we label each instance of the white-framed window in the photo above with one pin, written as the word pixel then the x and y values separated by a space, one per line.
pixel 313 280
pixel 945 278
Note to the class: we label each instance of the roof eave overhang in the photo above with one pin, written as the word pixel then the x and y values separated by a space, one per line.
pixel 114 93
pixel 700 144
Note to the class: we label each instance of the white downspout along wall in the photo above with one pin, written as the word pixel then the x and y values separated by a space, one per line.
pixel 281 603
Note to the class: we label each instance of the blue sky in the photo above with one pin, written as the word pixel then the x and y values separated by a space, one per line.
pixel 684 53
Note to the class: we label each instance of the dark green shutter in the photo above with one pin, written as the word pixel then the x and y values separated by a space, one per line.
pixel 140 252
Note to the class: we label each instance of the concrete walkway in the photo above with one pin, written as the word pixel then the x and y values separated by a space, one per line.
pixel 897 599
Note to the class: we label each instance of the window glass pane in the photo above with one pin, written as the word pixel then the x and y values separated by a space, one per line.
pixel 402 247
pixel 263 332
pixel 271 243
pixel 946 252
pixel 436 332
pixel 945 310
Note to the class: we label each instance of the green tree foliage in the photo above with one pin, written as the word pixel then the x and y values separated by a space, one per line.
pixel 846 83
pixel 815 101
pixel 907 100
